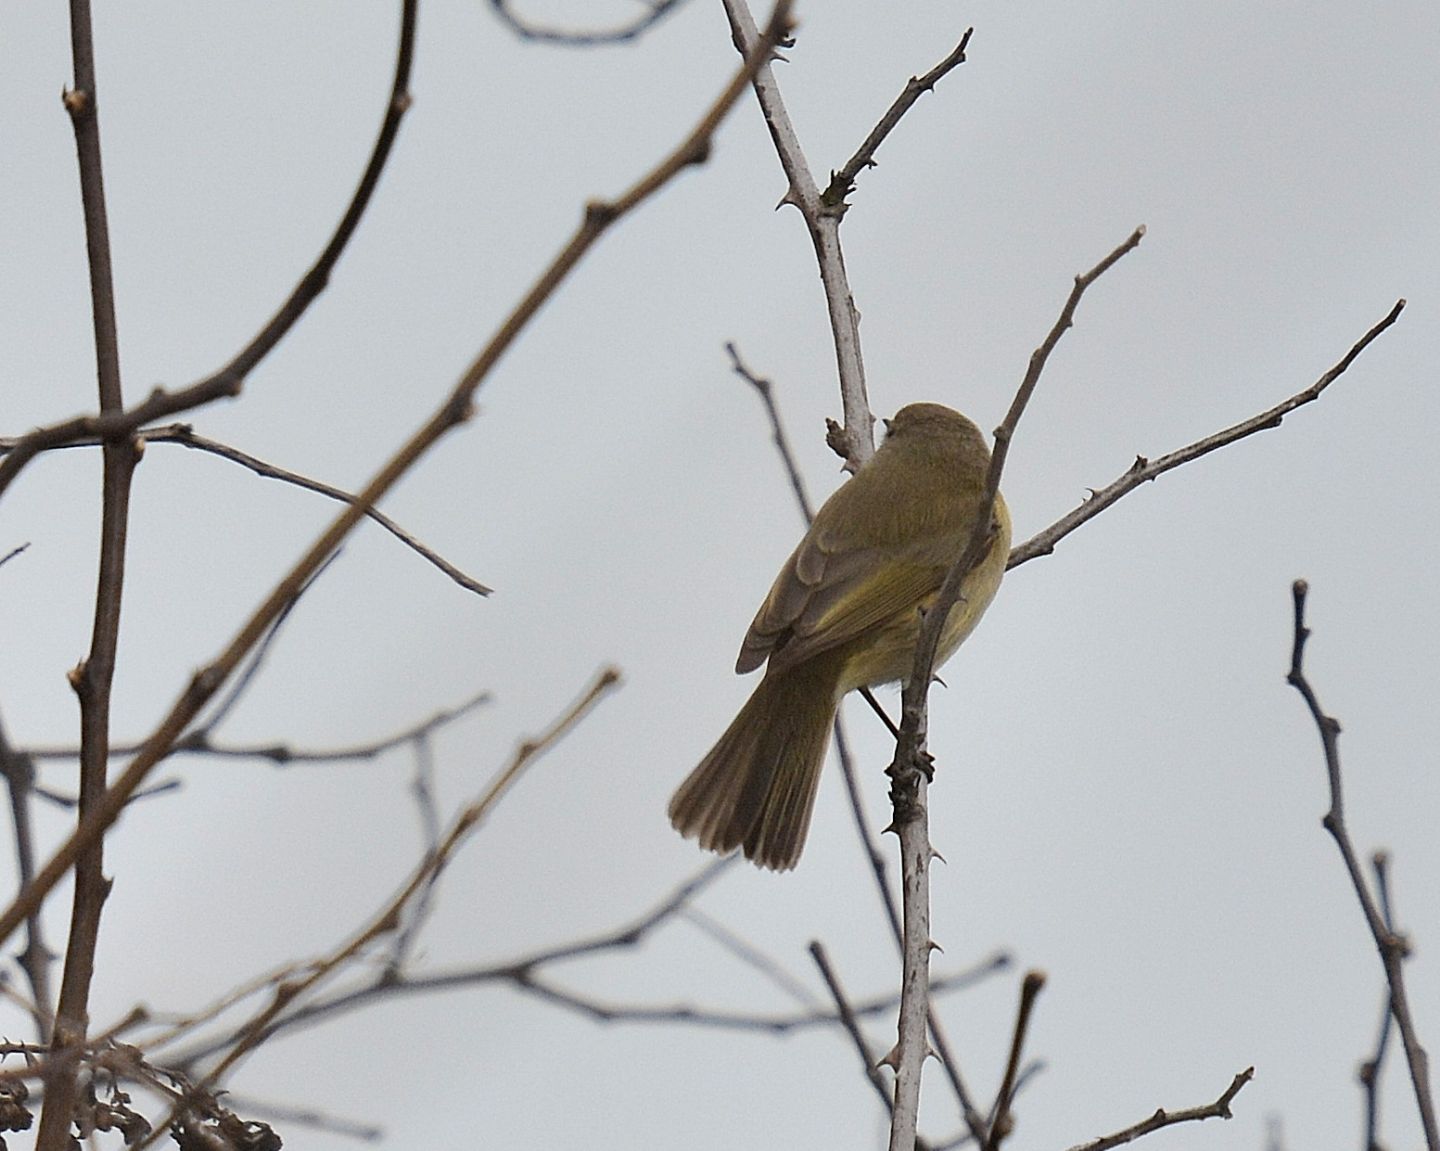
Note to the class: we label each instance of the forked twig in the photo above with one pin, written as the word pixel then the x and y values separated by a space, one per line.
pixel 1144 470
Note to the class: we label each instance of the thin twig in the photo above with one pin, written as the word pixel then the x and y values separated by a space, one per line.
pixel 35 960
pixel 1392 946
pixel 388 919
pixel 186 436
pixel 764 389
pixel 842 183
pixel 750 955
pixel 422 788
pixel 852 1025
pixel 1001 1122
pixel 197 741
pixel 94 678
pixel 160 404
pixel 655 11
pixel 1371 1069
pixel 1220 1109
pixel 454 410
pixel 1144 470
pixel 12 553
pixel 256 660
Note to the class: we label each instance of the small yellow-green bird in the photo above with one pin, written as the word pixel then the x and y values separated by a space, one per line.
pixel 844 613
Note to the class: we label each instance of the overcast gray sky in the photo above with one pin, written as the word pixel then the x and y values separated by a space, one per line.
pixel 1128 794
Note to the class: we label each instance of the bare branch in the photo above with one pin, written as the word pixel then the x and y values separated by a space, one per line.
pixel 910 767
pixel 1220 1109
pixel 852 1027
pixel 1144 470
pixel 389 918
pixel 598 217
pixel 118 424
pixel 764 389
pixel 856 443
pixel 198 742
pixel 842 183
pixel 184 434
pixel 93 679
pixel 1393 947
pixel 655 11
pixel 1001 1122
pixel 1370 1070
pixel 35 960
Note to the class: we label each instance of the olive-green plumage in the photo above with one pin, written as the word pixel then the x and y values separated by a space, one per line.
pixel 844 613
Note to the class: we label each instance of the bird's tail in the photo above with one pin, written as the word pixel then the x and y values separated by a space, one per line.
pixel 757 785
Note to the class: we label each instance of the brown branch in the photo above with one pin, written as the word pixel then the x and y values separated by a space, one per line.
pixel 764 390
pixel 842 183
pixel 12 553
pixel 35 960
pixel 1220 1109
pixel 910 767
pixel 453 411
pixel 93 679
pixel 1144 470
pixel 851 1024
pixel 389 918
pixel 198 742
pixel 118 424
pixel 1001 1121
pixel 1370 1070
pixel 1392 946
pixel 185 435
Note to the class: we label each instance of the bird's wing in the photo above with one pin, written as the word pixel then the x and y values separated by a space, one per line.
pixel 828 593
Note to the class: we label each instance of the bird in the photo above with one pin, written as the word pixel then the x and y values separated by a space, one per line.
pixel 845 613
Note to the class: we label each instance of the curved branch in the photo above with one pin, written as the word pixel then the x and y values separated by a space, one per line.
pixel 656 10
pixel 116 424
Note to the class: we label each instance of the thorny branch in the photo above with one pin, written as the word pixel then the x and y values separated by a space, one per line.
pixel 856 442
pixel 909 769
pixel 842 183
pixel 948 1063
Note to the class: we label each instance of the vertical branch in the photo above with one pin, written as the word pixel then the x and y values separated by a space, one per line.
pixel 19 771
pixel 911 768
pixel 1393 947
pixel 822 221
pixel 93 678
